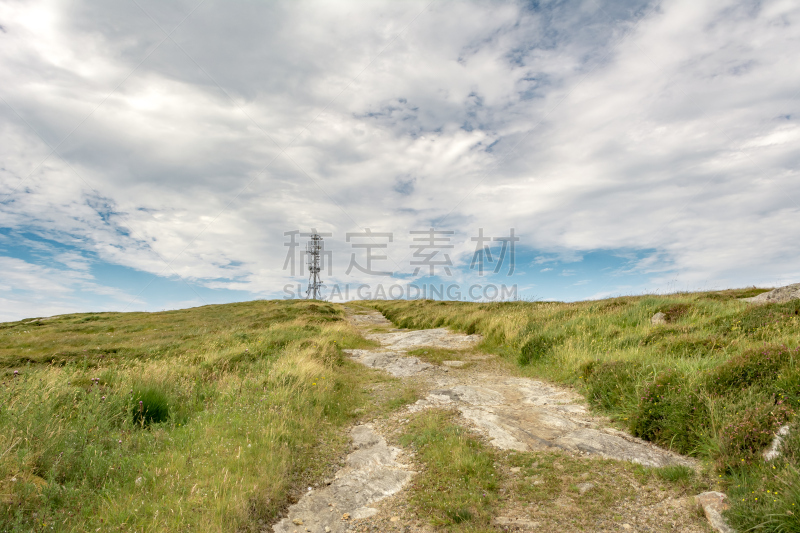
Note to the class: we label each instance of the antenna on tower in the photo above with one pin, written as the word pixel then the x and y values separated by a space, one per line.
pixel 313 252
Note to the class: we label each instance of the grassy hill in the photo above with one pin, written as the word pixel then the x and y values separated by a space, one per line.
pixel 205 419
pixel 216 418
pixel 715 382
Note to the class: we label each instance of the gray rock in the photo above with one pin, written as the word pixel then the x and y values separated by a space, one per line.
pixel 438 338
pixel 364 437
pixel 713 503
pixel 583 488
pixel 659 318
pixel 774 451
pixel 524 414
pixel 777 296
pixel 393 362
pixel 372 473
pixel 597 442
pixel 363 512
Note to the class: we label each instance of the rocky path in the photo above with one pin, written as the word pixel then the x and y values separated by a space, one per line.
pixel 372 472
pixel 512 413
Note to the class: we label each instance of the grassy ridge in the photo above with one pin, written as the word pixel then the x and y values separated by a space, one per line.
pixel 240 406
pixel 715 382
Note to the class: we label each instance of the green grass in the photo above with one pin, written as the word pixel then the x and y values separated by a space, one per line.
pixel 243 406
pixel 675 473
pixel 715 382
pixel 465 484
pixel 548 484
pixel 150 405
pixel 437 355
pixel 459 488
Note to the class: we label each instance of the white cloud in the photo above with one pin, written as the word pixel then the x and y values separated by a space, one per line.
pixel 669 128
pixel 30 290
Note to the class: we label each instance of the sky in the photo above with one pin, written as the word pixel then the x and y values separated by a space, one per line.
pixel 168 154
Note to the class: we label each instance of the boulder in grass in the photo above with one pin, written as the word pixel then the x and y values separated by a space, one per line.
pixel 777 296
pixel 774 451
pixel 713 504
pixel 659 318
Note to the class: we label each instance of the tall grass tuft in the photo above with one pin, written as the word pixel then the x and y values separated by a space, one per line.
pixel 149 405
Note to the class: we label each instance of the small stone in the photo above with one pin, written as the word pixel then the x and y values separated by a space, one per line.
pixel 327 529
pixel 394 519
pixel 516 470
pixel 626 526
pixel 773 452
pixel 583 488
pixel 346 516
pixel 297 522
pixel 659 318
pixel 139 480
pixel 713 504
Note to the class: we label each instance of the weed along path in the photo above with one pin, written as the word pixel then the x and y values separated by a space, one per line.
pixel 547 464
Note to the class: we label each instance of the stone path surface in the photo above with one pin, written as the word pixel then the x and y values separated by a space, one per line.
pixel 372 472
pixel 514 413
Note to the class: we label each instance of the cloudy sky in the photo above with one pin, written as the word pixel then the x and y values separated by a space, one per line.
pixel 158 155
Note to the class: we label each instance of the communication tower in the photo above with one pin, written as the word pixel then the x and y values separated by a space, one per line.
pixel 313 253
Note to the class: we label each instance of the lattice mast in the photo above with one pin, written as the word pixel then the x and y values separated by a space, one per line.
pixel 313 254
